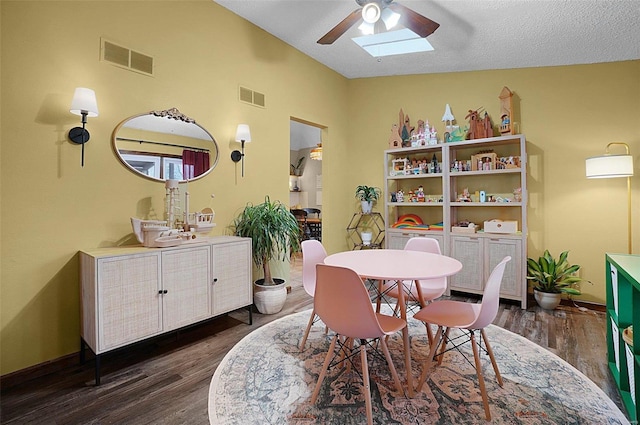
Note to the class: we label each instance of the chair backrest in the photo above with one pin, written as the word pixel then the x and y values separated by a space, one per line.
pixel 312 253
pixel 299 214
pixel 491 296
pixel 342 302
pixel 311 211
pixel 431 245
pixel 423 244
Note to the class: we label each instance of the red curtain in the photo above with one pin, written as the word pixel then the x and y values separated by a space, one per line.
pixel 194 163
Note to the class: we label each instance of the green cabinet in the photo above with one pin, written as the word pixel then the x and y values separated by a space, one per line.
pixel 623 310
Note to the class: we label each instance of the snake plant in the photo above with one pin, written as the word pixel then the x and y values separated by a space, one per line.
pixel 554 276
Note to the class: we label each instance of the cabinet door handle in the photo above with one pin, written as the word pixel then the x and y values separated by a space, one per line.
pixel 165 291
pixel 161 292
pixel 215 279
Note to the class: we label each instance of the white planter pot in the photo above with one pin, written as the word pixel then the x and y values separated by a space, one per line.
pixel 366 206
pixel 366 238
pixel 547 300
pixel 269 299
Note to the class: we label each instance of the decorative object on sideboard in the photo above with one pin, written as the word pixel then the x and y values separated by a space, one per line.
pixel 84 104
pixel 298 168
pixel 551 278
pixel 243 135
pixel 274 232
pixel 612 166
pixel 367 195
pixel 165 144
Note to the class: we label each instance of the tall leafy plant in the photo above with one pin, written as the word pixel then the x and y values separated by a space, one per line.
pixel 554 276
pixel 273 231
pixel 367 193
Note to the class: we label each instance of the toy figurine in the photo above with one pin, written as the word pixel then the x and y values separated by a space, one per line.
pixel 506 111
pixel 400 196
pixel 395 141
pixel 420 194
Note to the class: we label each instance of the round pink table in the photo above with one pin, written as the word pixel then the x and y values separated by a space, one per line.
pixel 397 265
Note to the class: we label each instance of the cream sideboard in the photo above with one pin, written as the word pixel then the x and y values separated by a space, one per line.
pixel 129 294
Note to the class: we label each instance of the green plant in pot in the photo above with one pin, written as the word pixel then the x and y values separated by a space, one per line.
pixel 274 232
pixel 551 278
pixel 367 195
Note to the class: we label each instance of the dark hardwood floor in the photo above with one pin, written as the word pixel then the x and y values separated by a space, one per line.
pixel 166 381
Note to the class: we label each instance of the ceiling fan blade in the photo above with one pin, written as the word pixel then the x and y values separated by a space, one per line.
pixel 414 21
pixel 341 28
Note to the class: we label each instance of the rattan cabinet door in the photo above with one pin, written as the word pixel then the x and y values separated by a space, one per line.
pixel 186 278
pixel 497 249
pixel 470 252
pixel 128 303
pixel 232 285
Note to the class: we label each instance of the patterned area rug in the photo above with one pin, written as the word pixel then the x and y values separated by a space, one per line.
pixel 265 379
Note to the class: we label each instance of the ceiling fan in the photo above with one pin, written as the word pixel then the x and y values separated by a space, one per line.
pixel 372 12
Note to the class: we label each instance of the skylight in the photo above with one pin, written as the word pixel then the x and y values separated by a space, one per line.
pixel 393 43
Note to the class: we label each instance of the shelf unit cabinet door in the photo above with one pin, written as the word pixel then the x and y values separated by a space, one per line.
pixel 232 284
pixel 496 250
pixel 186 278
pixel 399 240
pixel 469 251
pixel 128 303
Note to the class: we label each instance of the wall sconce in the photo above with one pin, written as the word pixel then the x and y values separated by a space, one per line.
pixel 609 166
pixel 243 134
pixel 84 104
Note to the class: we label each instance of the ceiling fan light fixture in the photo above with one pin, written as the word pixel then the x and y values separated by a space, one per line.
pixel 371 13
pixel 390 18
pixel 366 28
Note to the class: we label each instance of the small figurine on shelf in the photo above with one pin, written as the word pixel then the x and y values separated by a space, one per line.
pixel 506 111
pixel 400 196
pixel 394 197
pixel 395 141
pixel 412 196
pixel 420 194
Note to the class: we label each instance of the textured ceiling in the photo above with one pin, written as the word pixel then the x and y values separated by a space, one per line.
pixel 473 34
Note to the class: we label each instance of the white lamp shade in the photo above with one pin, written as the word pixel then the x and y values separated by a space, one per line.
pixel 84 100
pixel 609 166
pixel 390 18
pixel 243 133
pixel 371 13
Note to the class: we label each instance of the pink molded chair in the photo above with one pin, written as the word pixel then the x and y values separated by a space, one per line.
pixel 471 317
pixel 429 289
pixel 342 302
pixel 312 253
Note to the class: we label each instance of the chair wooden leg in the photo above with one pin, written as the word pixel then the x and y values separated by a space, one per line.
pixel 392 369
pixel 445 338
pixel 325 366
pixel 365 379
pixel 432 352
pixel 306 332
pixel 493 359
pixel 483 390
pixel 429 333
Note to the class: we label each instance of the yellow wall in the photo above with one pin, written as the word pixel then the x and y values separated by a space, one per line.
pixel 51 207
pixel 567 114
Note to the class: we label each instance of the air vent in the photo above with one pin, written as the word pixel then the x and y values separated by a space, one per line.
pixel 124 57
pixel 252 97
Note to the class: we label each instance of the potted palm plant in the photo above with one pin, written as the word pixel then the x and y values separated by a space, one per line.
pixel 551 278
pixel 367 195
pixel 274 232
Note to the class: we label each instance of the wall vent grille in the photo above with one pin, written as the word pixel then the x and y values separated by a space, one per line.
pixel 252 97
pixel 124 57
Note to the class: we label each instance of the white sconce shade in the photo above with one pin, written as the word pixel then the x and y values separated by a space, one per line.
pixel 243 133
pixel 609 166
pixel 84 100
pixel 367 28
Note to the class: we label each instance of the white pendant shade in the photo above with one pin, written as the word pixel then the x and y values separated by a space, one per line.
pixel 609 166
pixel 243 133
pixel 84 100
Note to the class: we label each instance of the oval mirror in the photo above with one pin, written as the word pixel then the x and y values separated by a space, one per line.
pixel 164 145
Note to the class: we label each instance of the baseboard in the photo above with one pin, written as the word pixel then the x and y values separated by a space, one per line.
pixel 37 371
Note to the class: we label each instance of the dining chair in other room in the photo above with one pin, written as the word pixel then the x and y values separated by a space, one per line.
pixel 312 253
pixel 429 289
pixel 314 223
pixel 342 302
pixel 471 318
pixel 301 216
